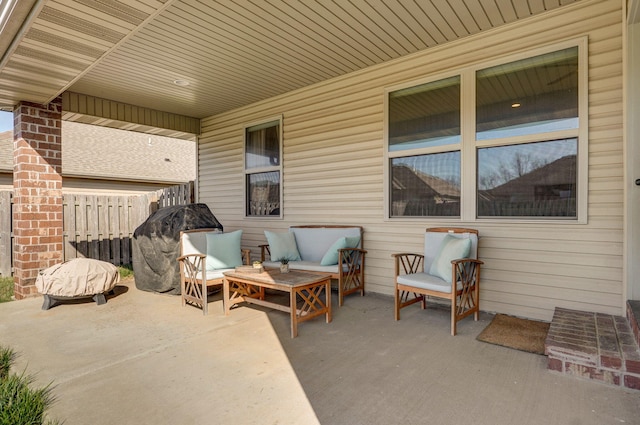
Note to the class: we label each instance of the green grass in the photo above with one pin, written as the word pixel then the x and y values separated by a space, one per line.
pixel 20 402
pixel 6 289
pixel 125 271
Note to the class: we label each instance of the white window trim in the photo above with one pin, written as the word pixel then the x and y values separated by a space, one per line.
pixel 414 152
pixel 278 168
pixel 469 145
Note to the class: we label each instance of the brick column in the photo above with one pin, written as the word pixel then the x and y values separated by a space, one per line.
pixel 37 192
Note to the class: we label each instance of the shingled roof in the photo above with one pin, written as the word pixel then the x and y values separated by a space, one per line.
pixel 95 152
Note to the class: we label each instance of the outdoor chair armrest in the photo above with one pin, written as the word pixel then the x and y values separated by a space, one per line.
pixel 465 271
pixel 246 256
pixel 466 260
pixel 264 250
pixel 352 258
pixel 190 265
pixel 408 263
pixel 186 257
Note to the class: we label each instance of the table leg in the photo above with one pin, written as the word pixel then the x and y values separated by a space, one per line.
pixel 327 294
pixel 294 313
pixel 225 296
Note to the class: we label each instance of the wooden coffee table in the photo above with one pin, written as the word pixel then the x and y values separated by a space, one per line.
pixel 303 287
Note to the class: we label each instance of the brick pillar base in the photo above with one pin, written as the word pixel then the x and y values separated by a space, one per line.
pixel 37 192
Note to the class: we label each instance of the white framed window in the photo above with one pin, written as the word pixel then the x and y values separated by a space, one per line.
pixel 506 139
pixel 263 168
pixel 424 136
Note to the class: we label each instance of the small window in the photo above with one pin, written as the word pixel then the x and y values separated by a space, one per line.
pixel 263 172
pixel 528 180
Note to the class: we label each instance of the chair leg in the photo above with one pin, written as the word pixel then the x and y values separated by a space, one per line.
pixel 397 306
pixel 205 304
pixel 476 296
pixel 453 316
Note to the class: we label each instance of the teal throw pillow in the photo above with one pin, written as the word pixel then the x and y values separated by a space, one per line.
pixel 282 245
pixel 223 250
pixel 451 248
pixel 330 258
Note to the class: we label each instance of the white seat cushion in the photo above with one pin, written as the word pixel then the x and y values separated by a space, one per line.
pixel 214 274
pixel 426 281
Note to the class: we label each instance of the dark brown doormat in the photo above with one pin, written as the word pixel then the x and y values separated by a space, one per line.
pixel 520 334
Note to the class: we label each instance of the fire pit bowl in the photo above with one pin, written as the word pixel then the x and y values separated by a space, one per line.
pixel 77 278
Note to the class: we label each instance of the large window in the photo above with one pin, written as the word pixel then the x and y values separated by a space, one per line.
pixel 263 172
pixel 425 118
pixel 528 180
pixel 512 151
pixel 531 98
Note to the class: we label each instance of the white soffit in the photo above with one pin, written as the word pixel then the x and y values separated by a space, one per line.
pixel 229 52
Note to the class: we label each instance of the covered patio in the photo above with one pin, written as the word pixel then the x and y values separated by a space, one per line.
pixel 321 76
pixel 142 358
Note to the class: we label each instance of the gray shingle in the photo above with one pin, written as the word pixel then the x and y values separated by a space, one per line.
pixel 99 152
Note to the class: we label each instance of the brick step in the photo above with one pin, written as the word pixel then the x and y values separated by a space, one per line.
pixel 594 346
pixel 633 314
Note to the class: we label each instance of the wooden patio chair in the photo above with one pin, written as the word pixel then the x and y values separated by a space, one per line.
pixel 196 280
pixel 448 269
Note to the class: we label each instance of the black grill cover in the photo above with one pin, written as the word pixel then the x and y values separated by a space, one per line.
pixel 156 245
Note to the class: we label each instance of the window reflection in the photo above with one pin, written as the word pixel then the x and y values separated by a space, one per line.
pixel 263 193
pixel 426 185
pixel 426 115
pixel 263 146
pixel 534 95
pixel 532 180
pixel 262 169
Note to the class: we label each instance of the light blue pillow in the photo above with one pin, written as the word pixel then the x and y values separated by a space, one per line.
pixel 353 241
pixel 223 250
pixel 330 258
pixel 282 245
pixel 451 248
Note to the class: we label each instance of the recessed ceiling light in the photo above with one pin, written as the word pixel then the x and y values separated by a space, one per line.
pixel 181 83
pixel 515 105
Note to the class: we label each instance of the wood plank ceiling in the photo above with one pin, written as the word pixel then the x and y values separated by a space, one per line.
pixel 230 52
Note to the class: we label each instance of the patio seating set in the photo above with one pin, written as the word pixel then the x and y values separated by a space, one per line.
pixel 317 254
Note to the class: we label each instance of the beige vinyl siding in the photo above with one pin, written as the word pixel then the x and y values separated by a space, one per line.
pixel 94 186
pixel 101 186
pixel 333 171
pixel 95 110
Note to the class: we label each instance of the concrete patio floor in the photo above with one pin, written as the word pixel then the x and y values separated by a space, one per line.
pixel 144 359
